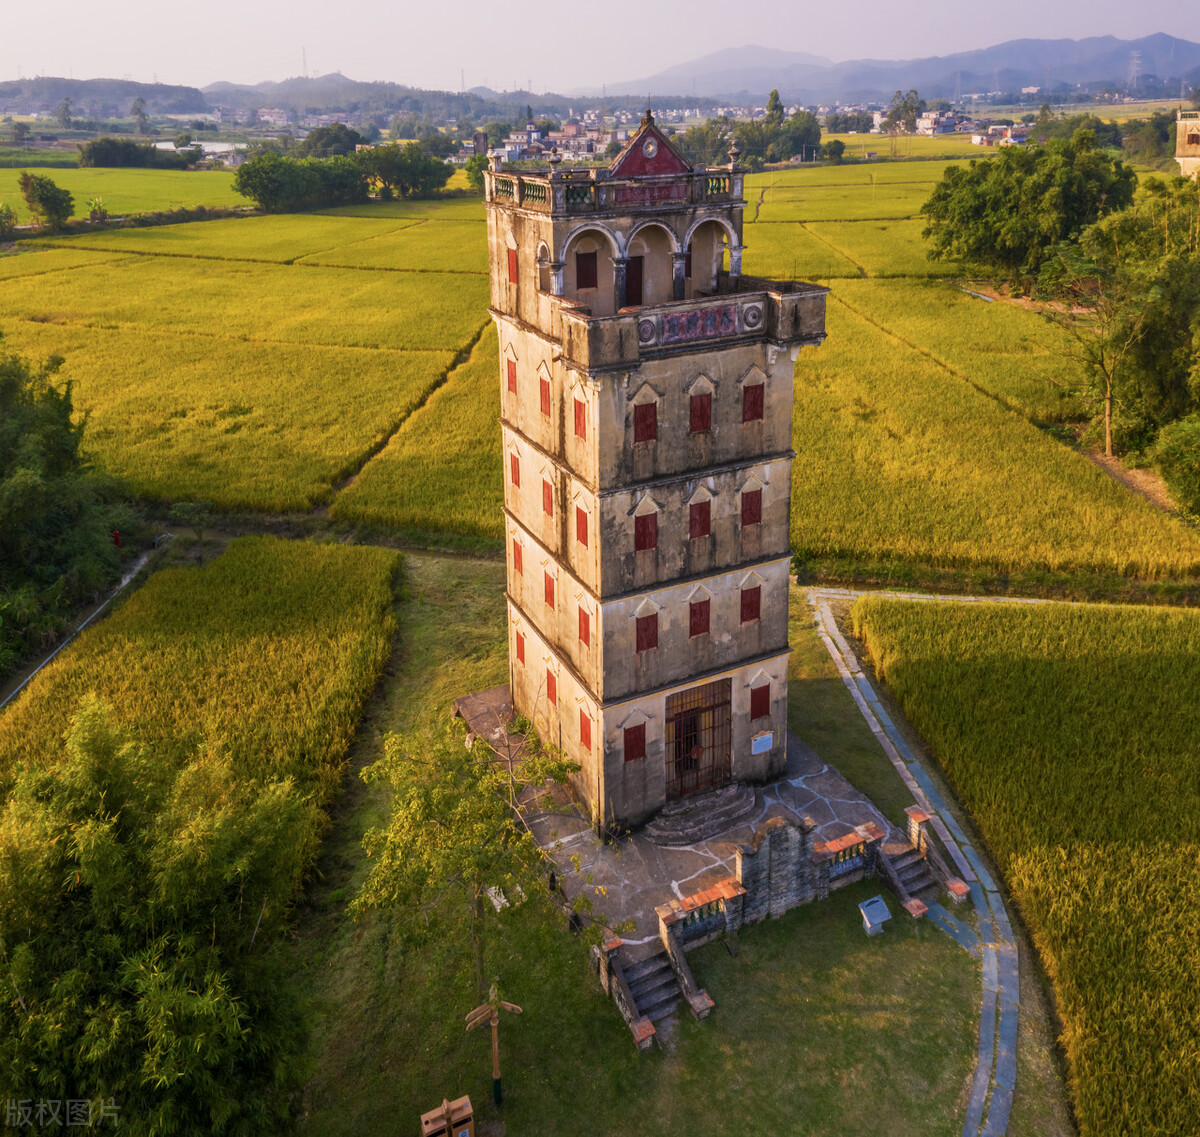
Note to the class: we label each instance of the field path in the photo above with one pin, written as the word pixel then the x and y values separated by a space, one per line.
pixel 996 1059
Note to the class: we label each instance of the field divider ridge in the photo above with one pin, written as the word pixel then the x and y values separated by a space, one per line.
pixel 995 1076
pixel 376 448
pixel 862 272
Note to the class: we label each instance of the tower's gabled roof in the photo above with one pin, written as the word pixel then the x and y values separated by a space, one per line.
pixel 649 153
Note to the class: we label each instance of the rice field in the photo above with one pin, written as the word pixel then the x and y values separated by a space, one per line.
pixel 1069 732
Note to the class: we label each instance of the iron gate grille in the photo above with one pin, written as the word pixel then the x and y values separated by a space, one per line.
pixel 698 734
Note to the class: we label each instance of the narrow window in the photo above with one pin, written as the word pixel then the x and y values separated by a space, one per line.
pixel 585 730
pixel 751 603
pixel 520 648
pixel 512 266
pixel 550 593
pixel 581 534
pixel 760 701
pixel 751 507
pixel 700 413
pixel 645 532
pixel 512 376
pixel 647 632
pixel 699 519
pixel 518 564
pixel 645 422
pixel 544 386
pixel 687 264
pixel 635 742
pixel 547 498
pixel 585 270
pixel 752 402
pixel 580 419
pixel 551 688
pixel 698 618
pixel 514 468
pixel 585 628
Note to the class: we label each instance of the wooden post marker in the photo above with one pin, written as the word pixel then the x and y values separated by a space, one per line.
pixel 489 1012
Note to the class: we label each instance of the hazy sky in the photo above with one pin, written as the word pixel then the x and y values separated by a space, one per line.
pixel 555 46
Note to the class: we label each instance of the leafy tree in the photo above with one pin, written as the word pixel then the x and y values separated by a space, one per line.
pixel 1176 454
pixel 50 205
pixel 833 151
pixel 20 131
pixel 329 141
pixel 707 144
pixel 406 171
pixel 183 140
pixel 496 133
pixel 849 122
pixel 140 909
pixel 437 145
pixel 474 167
pixel 1003 214
pixel 455 833
pixel 903 111
pixel 64 113
pixel 194 515
pixel 775 111
pixel 8 222
pixel 278 184
pixel 545 125
pixel 137 111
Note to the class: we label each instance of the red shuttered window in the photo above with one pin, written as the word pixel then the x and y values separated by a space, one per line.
pixel 699 519
pixel 512 265
pixel 698 617
pixel 551 688
pixel 752 402
pixel 751 507
pixel 700 414
pixel 645 532
pixel 512 376
pixel 635 742
pixel 518 561
pixel 580 419
pixel 544 386
pixel 585 730
pixel 550 590
pixel 581 528
pixel 520 648
pixel 760 701
pixel 647 632
pixel 751 603
pixel 585 270
pixel 645 422
pixel 514 469
pixel 547 498
pixel 585 628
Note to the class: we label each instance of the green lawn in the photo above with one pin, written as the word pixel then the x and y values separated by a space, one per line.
pixel 131 191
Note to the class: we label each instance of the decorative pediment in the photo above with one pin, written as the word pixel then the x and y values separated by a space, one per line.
pixel 636 717
pixel 698 594
pixel 751 580
pixel 510 352
pixel 648 154
pixel 755 375
pixel 759 678
pixel 544 371
pixel 646 393
pixel 645 504
pixel 647 608
pixel 701 385
pixel 699 494
pixel 752 482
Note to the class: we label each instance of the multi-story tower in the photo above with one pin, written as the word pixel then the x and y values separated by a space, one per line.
pixel 1187 142
pixel 646 411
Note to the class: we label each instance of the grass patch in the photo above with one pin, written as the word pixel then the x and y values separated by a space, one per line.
pixel 1069 733
pixel 884 248
pixel 788 251
pixel 844 202
pixel 427 246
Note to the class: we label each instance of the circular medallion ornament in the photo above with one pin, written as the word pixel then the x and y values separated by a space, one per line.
pixel 650 147
pixel 752 316
pixel 645 331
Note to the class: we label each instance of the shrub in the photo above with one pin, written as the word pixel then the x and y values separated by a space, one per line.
pixel 8 222
pixel 50 205
pixel 1176 455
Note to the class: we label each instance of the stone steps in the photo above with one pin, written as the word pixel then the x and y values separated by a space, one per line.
pixel 654 987
pixel 701 816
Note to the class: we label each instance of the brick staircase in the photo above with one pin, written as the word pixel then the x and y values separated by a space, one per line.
pixel 912 870
pixel 701 816
pixel 654 987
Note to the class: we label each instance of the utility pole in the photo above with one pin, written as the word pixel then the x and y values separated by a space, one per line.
pixel 489 1013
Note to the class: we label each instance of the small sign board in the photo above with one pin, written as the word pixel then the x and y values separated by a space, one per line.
pixel 762 743
pixel 874 913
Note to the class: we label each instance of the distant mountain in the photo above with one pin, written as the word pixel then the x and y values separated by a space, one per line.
pixel 101 97
pixel 753 71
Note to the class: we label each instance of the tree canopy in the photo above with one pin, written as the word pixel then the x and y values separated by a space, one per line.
pixel 50 204
pixel 1004 213
pixel 329 142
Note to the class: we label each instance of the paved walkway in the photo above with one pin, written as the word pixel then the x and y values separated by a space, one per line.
pixel 996 1061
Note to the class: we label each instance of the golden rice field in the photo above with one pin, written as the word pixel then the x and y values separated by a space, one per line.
pixel 1069 733
pixel 267 652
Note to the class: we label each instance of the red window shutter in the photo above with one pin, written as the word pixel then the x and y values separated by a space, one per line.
pixel 551 688
pixel 517 560
pixel 585 730
pixel 760 701
pixel 751 507
pixel 512 376
pixel 550 592
pixel 647 632
pixel 687 264
pixel 751 603
pixel 580 419
pixel 514 469
pixel 520 648
pixel 547 498
pixel 635 742
pixel 581 533
pixel 512 265
pixel 645 422
pixel 645 532
pixel 585 270
pixel 698 618
pixel 700 414
pixel 699 519
pixel 545 394
pixel 752 402
pixel 585 628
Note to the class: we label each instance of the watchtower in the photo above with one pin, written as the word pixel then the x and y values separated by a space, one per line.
pixel 1187 142
pixel 646 412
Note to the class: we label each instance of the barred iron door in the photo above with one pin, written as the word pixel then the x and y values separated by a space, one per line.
pixel 698 738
